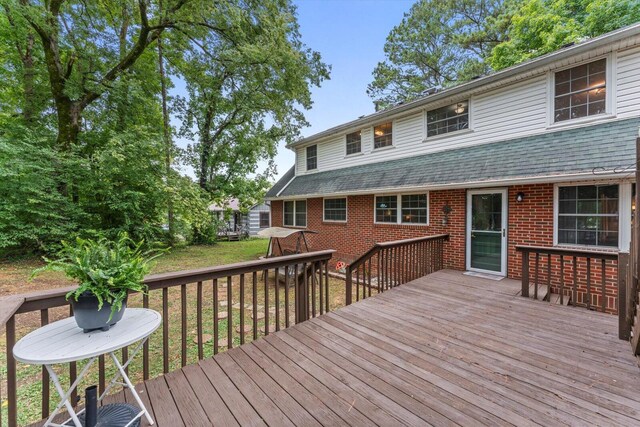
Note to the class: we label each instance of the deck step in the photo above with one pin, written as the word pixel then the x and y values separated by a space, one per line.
pixel 543 292
pixel 555 299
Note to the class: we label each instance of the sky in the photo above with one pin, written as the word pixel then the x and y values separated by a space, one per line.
pixel 350 36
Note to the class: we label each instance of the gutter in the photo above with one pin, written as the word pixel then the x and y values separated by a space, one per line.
pixel 545 179
pixel 507 73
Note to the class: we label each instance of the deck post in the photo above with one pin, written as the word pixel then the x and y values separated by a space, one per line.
pixel 349 287
pixel 525 274
pixel 624 314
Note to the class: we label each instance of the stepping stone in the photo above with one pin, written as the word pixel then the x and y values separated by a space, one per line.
pixel 272 329
pixel 223 303
pixel 205 338
pixel 222 315
pixel 259 316
pixel 247 329
pixel 222 342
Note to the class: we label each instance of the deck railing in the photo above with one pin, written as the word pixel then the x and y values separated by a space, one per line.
pixel 235 302
pixel 389 264
pixel 586 278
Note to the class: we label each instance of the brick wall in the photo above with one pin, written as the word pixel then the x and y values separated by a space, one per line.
pixel 530 222
pixel 355 237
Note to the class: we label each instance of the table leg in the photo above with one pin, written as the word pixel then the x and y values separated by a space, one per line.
pixel 123 374
pixel 65 396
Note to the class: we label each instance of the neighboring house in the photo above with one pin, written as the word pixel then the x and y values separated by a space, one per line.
pixel 257 217
pixel 541 153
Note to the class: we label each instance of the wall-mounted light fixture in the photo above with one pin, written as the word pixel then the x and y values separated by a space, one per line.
pixel 446 210
pixel 520 197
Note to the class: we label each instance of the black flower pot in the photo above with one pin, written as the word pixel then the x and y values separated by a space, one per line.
pixel 89 318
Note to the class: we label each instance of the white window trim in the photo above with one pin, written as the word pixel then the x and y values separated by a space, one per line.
pixel 358 153
pixel 624 215
pixel 346 204
pixel 610 100
pixel 425 121
pixel 399 209
pixel 373 136
pixel 306 213
pixel 306 158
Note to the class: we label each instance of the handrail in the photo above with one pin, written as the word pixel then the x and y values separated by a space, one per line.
pixel 394 243
pixel 245 299
pixel 580 275
pixel 554 250
pixel 398 261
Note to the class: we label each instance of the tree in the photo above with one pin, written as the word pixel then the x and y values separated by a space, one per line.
pixel 245 91
pixel 438 43
pixel 542 26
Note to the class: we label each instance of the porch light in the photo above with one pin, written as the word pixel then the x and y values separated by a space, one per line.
pixel 520 197
pixel 459 109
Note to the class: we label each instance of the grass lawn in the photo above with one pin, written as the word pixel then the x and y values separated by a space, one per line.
pixel 14 279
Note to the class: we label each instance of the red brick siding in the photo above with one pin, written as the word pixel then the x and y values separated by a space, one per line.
pixel 530 222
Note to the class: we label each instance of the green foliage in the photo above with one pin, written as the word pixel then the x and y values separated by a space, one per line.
pixel 446 42
pixel 438 43
pixel 33 213
pixel 108 269
pixel 542 26
pixel 84 150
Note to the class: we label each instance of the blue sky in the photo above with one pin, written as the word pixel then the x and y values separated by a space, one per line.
pixel 350 36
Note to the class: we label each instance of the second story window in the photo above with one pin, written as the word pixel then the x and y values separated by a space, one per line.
pixel 447 119
pixel 312 157
pixel 354 143
pixel 580 91
pixel 383 135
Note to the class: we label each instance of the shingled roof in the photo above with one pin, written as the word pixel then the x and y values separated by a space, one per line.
pixel 600 148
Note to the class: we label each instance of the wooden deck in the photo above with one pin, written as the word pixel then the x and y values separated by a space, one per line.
pixel 445 349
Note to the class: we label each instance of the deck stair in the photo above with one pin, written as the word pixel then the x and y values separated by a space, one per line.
pixel 543 292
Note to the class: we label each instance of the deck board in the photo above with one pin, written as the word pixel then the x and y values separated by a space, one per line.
pixel 446 349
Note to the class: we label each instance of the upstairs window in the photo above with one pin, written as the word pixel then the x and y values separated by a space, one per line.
pixel 335 209
pixel 383 135
pixel 354 142
pixel 588 215
pixel 387 209
pixel 295 213
pixel 580 91
pixel 312 157
pixel 447 119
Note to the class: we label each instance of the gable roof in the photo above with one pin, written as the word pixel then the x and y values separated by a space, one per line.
pixel 505 76
pixel 571 153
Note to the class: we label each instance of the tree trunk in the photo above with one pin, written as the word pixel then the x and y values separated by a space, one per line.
pixel 168 144
pixel 123 98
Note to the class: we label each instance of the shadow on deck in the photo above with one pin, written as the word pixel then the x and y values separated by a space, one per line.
pixel 444 349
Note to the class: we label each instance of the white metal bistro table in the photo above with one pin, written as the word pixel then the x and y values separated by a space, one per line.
pixel 63 342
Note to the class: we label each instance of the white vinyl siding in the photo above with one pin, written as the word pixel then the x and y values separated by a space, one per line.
pixel 628 84
pixel 517 110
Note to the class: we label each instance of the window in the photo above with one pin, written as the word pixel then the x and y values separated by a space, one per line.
pixel 387 209
pixel 354 142
pixel 264 220
pixel 580 91
pixel 312 157
pixel 588 215
pixel 448 119
pixel 335 210
pixel 295 213
pixel 382 135
pixel 414 208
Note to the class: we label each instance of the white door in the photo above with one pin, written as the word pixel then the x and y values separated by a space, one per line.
pixel 487 231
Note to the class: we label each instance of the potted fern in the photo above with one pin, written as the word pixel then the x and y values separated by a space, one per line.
pixel 106 271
